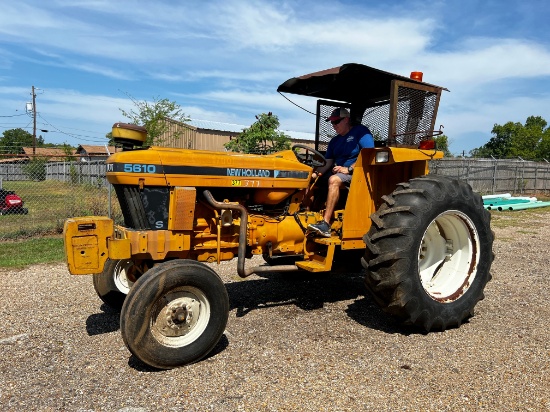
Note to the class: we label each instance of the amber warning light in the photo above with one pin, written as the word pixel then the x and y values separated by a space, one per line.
pixel 417 76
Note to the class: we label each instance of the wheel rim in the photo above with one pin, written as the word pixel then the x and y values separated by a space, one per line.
pixel 120 276
pixel 180 316
pixel 448 256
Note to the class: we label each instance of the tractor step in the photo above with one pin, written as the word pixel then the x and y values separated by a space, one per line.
pixel 329 241
pixel 312 266
pixel 319 263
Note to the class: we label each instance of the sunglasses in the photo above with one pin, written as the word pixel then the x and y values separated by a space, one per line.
pixel 335 122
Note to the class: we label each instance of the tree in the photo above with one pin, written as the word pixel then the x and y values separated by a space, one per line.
pixel 442 143
pixel 153 117
pixel 14 139
pixel 544 146
pixel 529 141
pixel 261 137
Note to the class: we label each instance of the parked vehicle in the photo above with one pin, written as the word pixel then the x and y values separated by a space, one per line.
pixel 11 204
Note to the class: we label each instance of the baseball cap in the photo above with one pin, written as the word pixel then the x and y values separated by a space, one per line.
pixel 337 113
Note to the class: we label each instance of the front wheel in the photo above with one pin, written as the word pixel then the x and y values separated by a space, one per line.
pixel 175 314
pixel 429 252
pixel 113 284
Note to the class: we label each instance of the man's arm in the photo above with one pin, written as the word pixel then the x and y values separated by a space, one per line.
pixel 367 141
pixel 324 169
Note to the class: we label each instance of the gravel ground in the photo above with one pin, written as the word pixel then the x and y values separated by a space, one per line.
pixel 310 343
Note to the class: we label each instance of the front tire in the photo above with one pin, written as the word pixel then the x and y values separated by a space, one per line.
pixel 112 285
pixel 429 252
pixel 175 314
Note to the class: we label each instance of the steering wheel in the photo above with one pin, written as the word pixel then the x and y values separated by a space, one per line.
pixel 310 157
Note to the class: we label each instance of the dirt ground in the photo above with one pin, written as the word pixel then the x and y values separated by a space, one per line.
pixel 314 343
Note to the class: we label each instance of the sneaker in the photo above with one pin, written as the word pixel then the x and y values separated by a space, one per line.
pixel 322 228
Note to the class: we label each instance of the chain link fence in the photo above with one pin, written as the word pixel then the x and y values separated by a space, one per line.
pixel 37 195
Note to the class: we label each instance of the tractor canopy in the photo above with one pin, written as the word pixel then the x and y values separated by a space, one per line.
pixel 399 111
pixel 351 82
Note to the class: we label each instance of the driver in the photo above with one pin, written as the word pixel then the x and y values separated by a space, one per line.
pixel 342 152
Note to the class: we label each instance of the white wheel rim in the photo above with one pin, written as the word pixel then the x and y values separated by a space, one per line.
pixel 180 316
pixel 122 283
pixel 448 256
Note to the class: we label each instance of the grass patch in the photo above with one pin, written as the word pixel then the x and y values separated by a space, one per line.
pixel 528 218
pixel 30 252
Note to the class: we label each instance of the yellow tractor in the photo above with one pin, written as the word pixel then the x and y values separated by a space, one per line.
pixel 424 240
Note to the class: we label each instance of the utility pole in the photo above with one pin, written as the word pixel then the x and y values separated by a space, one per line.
pixel 34 122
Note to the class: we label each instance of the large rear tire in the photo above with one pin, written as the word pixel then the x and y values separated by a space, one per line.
pixel 175 314
pixel 429 252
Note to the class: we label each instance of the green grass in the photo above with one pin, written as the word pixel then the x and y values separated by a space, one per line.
pixel 529 218
pixel 23 253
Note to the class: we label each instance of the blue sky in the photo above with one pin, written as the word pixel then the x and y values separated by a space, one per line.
pixel 222 60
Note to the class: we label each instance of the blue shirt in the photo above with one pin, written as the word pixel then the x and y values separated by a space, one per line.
pixel 344 150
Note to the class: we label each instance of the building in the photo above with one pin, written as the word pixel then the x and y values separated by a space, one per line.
pixel 209 135
pixel 51 153
pixel 25 154
pixel 90 153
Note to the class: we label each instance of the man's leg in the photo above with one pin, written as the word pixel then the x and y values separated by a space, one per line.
pixel 334 184
pixel 323 228
pixel 316 194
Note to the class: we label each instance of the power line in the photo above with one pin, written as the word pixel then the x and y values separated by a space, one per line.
pixel 76 136
pixel 15 115
pixel 34 114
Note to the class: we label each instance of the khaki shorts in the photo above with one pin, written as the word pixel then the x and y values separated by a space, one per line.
pixel 323 180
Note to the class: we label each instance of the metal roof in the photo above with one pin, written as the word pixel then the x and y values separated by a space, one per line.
pixel 210 125
pixel 351 82
pixel 237 128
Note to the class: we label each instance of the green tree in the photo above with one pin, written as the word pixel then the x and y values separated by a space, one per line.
pixel 69 152
pixel 13 140
pixel 261 137
pixel 442 143
pixel 153 115
pixel 529 141
pixel 544 146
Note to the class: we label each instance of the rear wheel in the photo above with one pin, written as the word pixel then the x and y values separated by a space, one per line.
pixel 429 252
pixel 175 314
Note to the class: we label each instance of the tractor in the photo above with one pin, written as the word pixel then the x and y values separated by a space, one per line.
pixel 423 241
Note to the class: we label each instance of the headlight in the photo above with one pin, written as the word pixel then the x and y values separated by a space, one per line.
pixel 382 157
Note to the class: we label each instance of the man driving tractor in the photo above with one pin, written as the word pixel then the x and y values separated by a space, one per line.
pixel 341 156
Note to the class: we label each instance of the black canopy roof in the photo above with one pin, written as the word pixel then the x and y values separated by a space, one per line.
pixel 351 82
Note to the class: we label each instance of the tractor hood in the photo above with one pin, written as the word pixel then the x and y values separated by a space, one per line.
pixel 159 166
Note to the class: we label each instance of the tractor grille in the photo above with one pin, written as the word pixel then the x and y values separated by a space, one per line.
pixel 145 209
pixel 415 113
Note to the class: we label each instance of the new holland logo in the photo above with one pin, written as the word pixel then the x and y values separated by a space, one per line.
pixel 248 172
